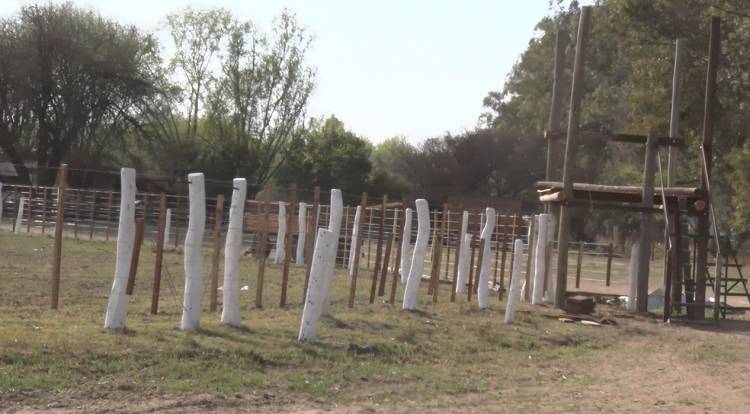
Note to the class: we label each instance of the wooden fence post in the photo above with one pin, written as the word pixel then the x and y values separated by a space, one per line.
pixel 381 239
pixel 263 250
pixel 159 253
pixel 218 223
pixel 578 265
pixel 529 257
pixel 288 248
pixel 29 216
pixel 447 238
pixel 92 216
pixel 44 210
pixel 378 251
pixel 310 240
pixel 59 222
pixel 357 250
pixel 397 266
pixel 609 264
pixel 386 260
pixel 77 213
pixel 471 267
pixel 109 215
pixel 139 223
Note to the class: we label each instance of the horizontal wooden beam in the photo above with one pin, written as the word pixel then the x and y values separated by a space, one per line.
pixel 615 137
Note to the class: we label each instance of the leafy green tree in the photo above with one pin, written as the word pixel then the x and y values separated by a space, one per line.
pixel 69 81
pixel 332 157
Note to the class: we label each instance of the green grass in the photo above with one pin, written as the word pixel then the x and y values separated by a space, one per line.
pixel 370 353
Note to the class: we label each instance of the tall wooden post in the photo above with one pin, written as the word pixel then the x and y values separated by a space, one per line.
pixel 159 253
pixel 92 215
pixel 646 226
pixel 218 223
pixel 288 244
pixel 381 240
pixel 310 239
pixel 714 50
pixel 357 250
pixel 62 181
pixel 671 257
pixel 578 265
pixel 555 114
pixel 44 209
pixel 504 248
pixel 570 155
pixel 77 213
pixel 396 267
pixel 263 249
pixel 109 215
pixel 459 239
pixel 471 267
pixel 610 251
pixel 447 238
pixel 386 260
pixel 529 257
pixel 137 242
pixel 438 255
pixel 29 216
pixel 378 251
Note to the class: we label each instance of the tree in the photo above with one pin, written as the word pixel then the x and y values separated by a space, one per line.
pixel 69 78
pixel 333 157
pixel 257 107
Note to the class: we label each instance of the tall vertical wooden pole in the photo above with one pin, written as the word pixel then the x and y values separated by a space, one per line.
pixel 646 225
pixel 378 253
pixel 708 140
pixel 218 223
pixel 134 258
pixel 310 239
pixel 457 254
pixel 109 214
pixel 92 215
pixel 357 252
pixel 671 257
pixel 288 242
pixel 396 267
pixel 610 251
pixel 159 253
pixel 29 216
pixel 570 155
pixel 44 209
pixel 555 114
pixel 59 222
pixel 263 250
pixel 578 265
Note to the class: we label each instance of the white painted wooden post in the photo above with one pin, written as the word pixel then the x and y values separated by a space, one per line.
pixel 322 256
pixel 529 251
pixel 539 263
pixel 355 239
pixel 19 217
pixel 334 226
pixel 549 293
pixel 515 281
pixel 302 232
pixel 463 263
pixel 193 259
pixel 463 258
pixel 168 228
pixel 483 296
pixel 405 244
pixel 633 278
pixel 280 234
pixel 417 260
pixel 230 312
pixel 117 305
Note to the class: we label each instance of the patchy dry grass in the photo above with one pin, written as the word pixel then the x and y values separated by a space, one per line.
pixel 370 358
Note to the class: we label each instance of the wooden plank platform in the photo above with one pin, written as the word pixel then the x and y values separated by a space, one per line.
pixel 615 196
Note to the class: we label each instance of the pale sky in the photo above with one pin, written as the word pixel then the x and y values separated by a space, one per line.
pixel 415 68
